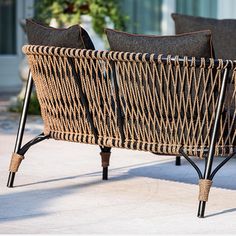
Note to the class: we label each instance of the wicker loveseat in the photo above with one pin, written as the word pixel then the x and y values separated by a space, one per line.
pixel 148 102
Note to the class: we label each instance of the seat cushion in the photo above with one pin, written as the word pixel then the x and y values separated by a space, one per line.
pixel 72 37
pixel 223 32
pixel 196 44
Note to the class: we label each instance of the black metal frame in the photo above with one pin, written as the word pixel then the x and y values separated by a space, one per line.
pixel 208 175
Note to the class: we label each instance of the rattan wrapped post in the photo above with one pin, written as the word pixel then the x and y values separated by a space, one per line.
pixel 204 189
pixel 15 162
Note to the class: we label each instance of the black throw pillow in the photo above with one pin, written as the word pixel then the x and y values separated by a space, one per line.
pixel 194 44
pixel 223 32
pixel 197 44
pixel 72 37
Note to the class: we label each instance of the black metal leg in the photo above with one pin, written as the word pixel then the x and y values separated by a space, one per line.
pixel 201 209
pixel 209 162
pixel 105 155
pixel 11 178
pixel 20 154
pixel 206 179
pixel 23 117
pixel 21 127
pixel 105 173
pixel 178 161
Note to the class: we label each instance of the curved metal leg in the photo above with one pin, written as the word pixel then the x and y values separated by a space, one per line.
pixel 208 166
pixel 105 155
pixel 181 151
pixel 206 179
pixel 19 156
pixel 204 184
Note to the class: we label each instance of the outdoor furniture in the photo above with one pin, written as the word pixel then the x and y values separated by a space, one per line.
pixel 148 102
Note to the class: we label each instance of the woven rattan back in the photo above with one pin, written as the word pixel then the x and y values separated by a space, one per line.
pixel 131 100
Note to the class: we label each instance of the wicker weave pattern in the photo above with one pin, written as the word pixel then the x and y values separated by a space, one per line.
pixel 134 100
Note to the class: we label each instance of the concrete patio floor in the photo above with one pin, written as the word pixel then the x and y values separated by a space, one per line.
pixel 59 190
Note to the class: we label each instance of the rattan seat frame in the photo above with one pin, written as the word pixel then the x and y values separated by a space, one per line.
pixel 168 105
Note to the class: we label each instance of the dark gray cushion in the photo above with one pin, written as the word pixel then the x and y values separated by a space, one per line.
pixel 223 32
pixel 196 44
pixel 72 37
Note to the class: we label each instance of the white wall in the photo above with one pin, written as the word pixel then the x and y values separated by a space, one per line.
pixel 226 9
pixel 167 24
pixel 9 64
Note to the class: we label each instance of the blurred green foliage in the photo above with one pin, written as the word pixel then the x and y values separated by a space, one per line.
pixel 68 12
pixel 34 108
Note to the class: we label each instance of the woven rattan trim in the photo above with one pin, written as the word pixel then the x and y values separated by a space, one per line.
pixel 15 162
pixel 204 189
pixel 135 145
pixel 105 158
pixel 126 56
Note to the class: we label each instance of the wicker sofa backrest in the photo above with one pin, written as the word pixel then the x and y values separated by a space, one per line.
pixel 130 100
